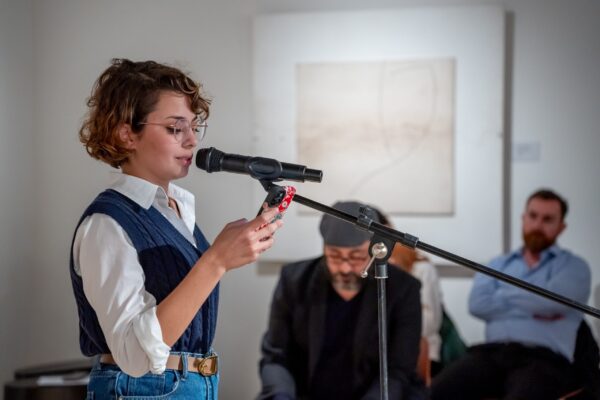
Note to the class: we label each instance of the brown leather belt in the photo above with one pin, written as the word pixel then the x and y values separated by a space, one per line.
pixel 206 366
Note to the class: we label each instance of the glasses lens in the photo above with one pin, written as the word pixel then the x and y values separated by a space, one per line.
pixel 182 127
pixel 199 128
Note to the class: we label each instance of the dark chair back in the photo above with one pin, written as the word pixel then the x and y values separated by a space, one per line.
pixel 453 347
pixel 587 360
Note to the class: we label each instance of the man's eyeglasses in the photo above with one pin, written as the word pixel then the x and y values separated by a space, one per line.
pixel 354 261
pixel 181 127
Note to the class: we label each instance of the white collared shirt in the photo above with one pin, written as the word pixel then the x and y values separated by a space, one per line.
pixel 431 303
pixel 113 279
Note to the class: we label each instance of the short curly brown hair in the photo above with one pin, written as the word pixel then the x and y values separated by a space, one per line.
pixel 126 93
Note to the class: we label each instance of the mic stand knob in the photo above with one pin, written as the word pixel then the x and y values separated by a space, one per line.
pixel 379 251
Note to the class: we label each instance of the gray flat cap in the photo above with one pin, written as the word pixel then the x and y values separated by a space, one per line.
pixel 337 232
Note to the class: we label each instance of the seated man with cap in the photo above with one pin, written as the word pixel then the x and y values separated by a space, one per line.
pixel 322 339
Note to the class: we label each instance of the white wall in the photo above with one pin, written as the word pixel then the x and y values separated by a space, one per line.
pixel 16 179
pixel 555 97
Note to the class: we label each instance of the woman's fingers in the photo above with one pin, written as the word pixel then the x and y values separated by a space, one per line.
pixel 241 242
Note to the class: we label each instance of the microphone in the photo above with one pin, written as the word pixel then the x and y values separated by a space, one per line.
pixel 213 160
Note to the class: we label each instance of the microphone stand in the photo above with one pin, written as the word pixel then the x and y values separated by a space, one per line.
pixel 380 248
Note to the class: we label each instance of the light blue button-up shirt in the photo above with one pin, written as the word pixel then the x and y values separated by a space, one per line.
pixel 513 314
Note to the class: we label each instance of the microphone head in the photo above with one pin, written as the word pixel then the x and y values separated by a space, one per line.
pixel 313 175
pixel 209 159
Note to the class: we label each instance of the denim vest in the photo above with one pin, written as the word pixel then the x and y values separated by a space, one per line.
pixel 166 258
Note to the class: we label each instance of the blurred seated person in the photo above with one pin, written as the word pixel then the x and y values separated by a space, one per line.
pixel 530 340
pixel 431 297
pixel 322 339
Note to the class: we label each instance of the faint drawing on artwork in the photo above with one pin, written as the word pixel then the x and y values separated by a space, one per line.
pixel 382 132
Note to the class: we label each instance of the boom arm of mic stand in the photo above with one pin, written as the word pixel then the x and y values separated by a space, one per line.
pixel 414 242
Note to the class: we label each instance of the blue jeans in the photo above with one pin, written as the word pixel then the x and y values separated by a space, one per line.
pixel 108 382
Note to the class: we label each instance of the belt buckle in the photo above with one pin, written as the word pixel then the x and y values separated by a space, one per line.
pixel 207 366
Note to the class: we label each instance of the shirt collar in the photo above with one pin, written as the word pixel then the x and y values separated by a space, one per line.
pixel 144 193
pixel 182 195
pixel 550 252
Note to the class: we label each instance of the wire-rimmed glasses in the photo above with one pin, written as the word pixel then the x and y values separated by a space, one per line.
pixel 181 127
pixel 353 260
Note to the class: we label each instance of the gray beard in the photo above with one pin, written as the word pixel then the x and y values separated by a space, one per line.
pixel 353 285
pixel 338 283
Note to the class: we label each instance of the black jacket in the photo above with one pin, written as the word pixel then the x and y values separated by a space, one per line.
pixel 291 346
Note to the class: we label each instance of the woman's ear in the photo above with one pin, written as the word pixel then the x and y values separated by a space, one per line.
pixel 126 136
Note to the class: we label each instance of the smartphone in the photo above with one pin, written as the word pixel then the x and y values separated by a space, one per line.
pixel 280 197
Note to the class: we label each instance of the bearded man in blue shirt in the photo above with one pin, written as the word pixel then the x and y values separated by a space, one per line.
pixel 530 340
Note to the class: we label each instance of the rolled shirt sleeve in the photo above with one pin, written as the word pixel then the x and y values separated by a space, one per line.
pixel 113 282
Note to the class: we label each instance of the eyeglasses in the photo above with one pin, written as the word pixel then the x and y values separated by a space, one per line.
pixel 181 127
pixel 354 261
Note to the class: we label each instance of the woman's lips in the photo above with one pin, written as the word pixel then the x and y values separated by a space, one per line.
pixel 185 160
